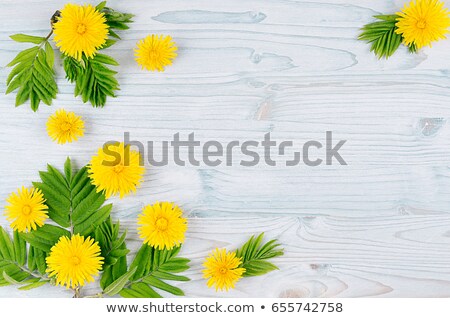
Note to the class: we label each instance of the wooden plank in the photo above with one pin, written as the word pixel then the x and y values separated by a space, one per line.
pixel 325 256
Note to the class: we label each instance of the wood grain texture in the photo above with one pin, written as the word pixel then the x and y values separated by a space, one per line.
pixel 379 226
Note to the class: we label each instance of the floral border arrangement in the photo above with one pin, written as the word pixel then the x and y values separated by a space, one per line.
pixel 82 241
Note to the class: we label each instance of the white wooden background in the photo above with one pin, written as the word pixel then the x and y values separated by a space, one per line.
pixel 377 227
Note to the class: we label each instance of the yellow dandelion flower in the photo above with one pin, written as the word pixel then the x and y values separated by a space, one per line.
pixel 26 210
pixel 116 169
pixel 80 30
pixel 222 269
pixel 163 225
pixel 65 126
pixel 423 22
pixel 155 51
pixel 74 261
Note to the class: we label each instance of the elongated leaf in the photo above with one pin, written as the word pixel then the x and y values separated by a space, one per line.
pixel 45 237
pixel 169 276
pixel 33 76
pixel 113 249
pixel 27 38
pixel 140 290
pixel 258 267
pixel 72 200
pixel 10 280
pixel 119 284
pixel 254 255
pixel 6 246
pixel 153 266
pixel 20 249
pixel 116 20
pixel 94 81
pixel 382 36
pixel 157 283
pixel 13 268
pixel 34 285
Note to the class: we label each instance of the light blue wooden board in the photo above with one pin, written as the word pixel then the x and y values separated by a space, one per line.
pixel 377 227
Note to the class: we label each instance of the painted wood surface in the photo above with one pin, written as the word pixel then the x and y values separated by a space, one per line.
pixel 379 226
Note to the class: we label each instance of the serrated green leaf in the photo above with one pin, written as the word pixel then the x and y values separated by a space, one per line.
pixel 143 256
pixel 254 255
pixel 72 200
pixel 107 235
pixel 45 236
pixel 116 20
pixel 6 246
pixel 33 76
pixel 382 36
pixel 153 266
pixel 95 218
pixel 13 269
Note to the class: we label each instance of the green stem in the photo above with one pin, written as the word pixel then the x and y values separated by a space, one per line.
pixel 31 273
pixel 48 36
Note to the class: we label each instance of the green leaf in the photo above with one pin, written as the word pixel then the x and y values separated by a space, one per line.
pixel 72 200
pixel 45 236
pixel 382 36
pixel 258 267
pixel 119 284
pixel 33 76
pixel 27 38
pixel 25 55
pixel 6 246
pixel 100 6
pixel 68 171
pixel 13 258
pixel 153 266
pixel 157 283
pixel 254 256
pixel 104 59
pixel 139 290
pixel 169 276
pixel 10 280
pixel 49 54
pixel 39 259
pixel 94 81
pixel 113 249
pixel 34 285
pixel 20 249
pixel 116 20
pixel 108 42
pixel 412 48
